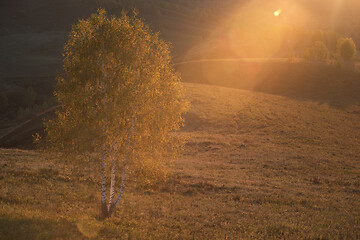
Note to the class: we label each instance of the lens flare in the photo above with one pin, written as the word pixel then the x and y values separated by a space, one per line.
pixel 277 12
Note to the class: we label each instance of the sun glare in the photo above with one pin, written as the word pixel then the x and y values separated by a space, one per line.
pixel 277 12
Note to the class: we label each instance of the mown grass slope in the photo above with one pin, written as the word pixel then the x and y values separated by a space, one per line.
pixel 255 166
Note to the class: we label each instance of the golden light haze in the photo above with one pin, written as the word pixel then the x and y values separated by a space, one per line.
pixel 265 29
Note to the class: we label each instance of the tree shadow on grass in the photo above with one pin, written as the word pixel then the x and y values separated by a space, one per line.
pixel 24 228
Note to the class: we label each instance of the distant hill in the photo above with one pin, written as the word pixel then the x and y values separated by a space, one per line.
pixel 316 81
pixel 32 34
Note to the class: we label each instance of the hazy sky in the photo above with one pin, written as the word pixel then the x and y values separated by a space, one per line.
pixel 327 14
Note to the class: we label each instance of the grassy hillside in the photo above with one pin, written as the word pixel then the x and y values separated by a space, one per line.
pixel 305 80
pixel 255 166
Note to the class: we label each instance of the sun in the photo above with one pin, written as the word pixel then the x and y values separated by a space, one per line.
pixel 277 12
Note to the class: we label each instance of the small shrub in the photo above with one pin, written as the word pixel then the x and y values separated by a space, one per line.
pixel 346 48
pixel 318 51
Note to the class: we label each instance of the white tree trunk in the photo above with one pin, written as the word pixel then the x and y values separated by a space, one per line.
pixel 104 211
pixel 123 178
pixel 112 183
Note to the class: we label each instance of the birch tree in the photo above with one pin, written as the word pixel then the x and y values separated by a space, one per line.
pixel 121 101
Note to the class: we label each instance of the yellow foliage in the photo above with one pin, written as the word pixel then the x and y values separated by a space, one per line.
pixel 120 95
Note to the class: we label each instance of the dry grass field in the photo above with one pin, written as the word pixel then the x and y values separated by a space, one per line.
pixel 255 166
pixel 272 148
